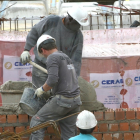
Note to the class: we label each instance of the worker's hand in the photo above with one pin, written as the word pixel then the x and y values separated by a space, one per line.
pixel 39 92
pixel 25 57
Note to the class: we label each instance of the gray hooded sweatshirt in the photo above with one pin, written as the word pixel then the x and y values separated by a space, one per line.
pixel 68 41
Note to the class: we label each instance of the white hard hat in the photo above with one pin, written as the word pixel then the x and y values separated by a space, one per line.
pixel 79 14
pixel 42 39
pixel 86 120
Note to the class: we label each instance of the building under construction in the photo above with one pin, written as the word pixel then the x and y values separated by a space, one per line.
pixel 110 63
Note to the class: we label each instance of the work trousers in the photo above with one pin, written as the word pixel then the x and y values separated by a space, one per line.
pixel 57 107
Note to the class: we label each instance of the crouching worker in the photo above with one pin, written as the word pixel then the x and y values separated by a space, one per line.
pixel 63 81
pixel 86 123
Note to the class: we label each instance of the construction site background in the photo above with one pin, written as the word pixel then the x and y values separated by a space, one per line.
pixel 22 15
pixel 108 48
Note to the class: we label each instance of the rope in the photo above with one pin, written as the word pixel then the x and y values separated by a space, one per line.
pixel 67 116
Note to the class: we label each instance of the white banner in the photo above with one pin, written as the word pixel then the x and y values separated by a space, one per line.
pixel 15 71
pixel 116 91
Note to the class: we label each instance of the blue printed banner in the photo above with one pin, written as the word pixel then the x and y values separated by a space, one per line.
pixel 14 70
pixel 117 91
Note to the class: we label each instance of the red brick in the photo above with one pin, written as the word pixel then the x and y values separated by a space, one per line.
pixel 96 129
pixel 23 118
pixel 11 118
pixel 128 136
pixel 99 115
pixel 78 131
pixel 55 138
pixel 30 118
pixel 107 136
pixel 27 127
pixel 109 115
pixel 2 118
pixel 19 129
pixel 113 127
pixel 9 128
pixel 25 138
pixel 110 110
pixel 47 138
pixel 119 109
pixel 124 126
pixel 103 127
pixel 138 109
pixel 117 136
pixel 50 130
pixel 97 136
pixel 1 129
pixel 138 114
pixel 134 126
pixel 120 115
pixel 136 136
pixel 130 115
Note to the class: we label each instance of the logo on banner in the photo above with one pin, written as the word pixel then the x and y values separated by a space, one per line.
pixel 8 65
pixel 128 81
pixel 109 82
pixel 95 83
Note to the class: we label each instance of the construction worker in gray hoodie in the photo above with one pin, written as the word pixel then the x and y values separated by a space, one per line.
pixel 62 79
pixel 69 40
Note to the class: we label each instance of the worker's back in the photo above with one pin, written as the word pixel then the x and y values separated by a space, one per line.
pixel 67 82
pixel 83 137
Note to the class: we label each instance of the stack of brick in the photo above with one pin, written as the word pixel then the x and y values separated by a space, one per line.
pixel 119 124
pixel 19 123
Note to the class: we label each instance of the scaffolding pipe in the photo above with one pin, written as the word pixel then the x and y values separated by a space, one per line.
pixel 120 3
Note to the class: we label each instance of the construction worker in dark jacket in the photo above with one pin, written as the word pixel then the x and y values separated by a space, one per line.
pixel 62 79
pixel 69 39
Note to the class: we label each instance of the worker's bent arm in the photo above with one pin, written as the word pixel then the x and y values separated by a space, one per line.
pixel 36 31
pixel 46 87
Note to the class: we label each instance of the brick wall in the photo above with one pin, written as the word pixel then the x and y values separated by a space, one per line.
pixel 119 124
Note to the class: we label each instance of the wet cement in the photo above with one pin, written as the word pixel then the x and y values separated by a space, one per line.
pixel 89 97
pixel 87 93
pixel 11 109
